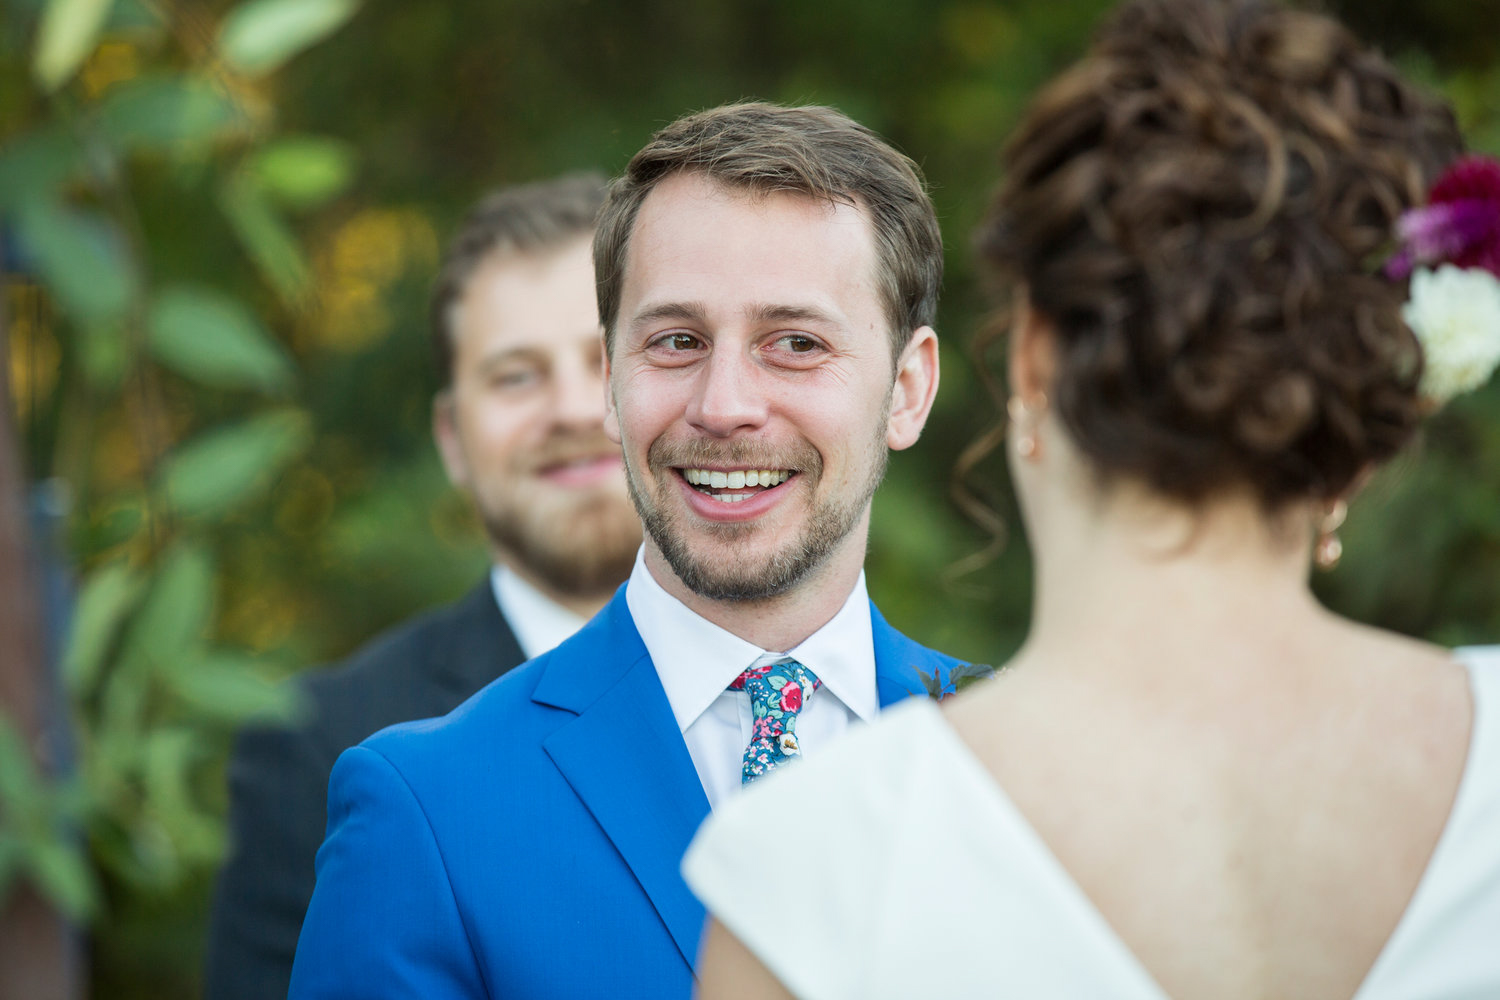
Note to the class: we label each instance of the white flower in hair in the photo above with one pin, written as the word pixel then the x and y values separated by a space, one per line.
pixel 1455 313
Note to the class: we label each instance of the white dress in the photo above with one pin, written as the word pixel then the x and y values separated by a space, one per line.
pixel 907 872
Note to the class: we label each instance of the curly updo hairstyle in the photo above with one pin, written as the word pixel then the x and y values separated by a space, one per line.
pixel 1200 208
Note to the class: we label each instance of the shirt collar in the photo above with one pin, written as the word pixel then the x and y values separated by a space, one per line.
pixel 538 622
pixel 697 660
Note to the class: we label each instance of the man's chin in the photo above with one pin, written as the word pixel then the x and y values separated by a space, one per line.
pixel 582 544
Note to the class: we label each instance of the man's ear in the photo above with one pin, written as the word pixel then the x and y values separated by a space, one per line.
pixel 445 435
pixel 611 419
pixel 915 389
pixel 1033 351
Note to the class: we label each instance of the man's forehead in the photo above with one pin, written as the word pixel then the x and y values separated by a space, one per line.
pixel 709 191
pixel 782 250
pixel 530 296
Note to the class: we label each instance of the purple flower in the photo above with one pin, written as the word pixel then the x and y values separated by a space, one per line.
pixel 1460 224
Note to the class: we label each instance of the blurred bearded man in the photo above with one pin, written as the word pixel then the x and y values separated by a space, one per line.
pixel 519 424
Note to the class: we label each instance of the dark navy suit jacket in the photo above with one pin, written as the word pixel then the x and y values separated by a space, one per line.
pixel 528 843
pixel 278 779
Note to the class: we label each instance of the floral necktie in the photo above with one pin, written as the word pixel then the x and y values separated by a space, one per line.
pixel 777 692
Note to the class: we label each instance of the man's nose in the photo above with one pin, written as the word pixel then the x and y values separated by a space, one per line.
pixel 578 396
pixel 729 396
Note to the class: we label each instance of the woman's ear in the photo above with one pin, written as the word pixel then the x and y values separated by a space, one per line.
pixel 1032 356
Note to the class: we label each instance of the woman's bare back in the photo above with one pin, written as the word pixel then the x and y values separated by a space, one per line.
pixel 1252 830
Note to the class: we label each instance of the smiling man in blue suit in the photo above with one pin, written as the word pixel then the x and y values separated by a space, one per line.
pixel 767 279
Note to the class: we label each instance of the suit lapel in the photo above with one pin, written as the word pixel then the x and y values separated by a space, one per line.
pixel 897 660
pixel 625 759
pixel 479 644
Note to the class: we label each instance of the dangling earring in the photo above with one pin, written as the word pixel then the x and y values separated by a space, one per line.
pixel 1329 549
pixel 1024 419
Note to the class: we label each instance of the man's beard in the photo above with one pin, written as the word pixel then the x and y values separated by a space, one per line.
pixel 582 546
pixel 746 572
pixel 584 550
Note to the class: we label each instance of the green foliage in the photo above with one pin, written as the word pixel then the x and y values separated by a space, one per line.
pixel 107 174
pixel 107 598
pixel 264 235
pixel 260 35
pixel 304 171
pixel 166 111
pixel 212 338
pixel 229 466
pixel 38 840
pixel 68 32
pixel 938 685
pixel 83 256
pixel 41 161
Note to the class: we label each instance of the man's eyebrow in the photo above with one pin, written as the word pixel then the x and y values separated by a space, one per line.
pixel 791 314
pixel 506 354
pixel 690 312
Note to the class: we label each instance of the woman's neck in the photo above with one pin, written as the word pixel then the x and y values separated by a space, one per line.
pixel 1131 574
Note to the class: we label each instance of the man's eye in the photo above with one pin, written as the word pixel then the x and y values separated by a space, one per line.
pixel 798 344
pixel 679 342
pixel 513 378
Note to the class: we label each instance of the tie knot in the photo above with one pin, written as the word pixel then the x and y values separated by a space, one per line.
pixel 777 693
pixel 777 689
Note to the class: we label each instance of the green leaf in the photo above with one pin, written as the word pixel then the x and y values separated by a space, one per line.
pixel 62 873
pixel 222 468
pixel 966 674
pixel 233 689
pixel 176 613
pixel 104 354
pixel 264 237
pixel 34 166
pixel 107 597
pixel 67 35
pixel 11 852
pixel 260 35
pixel 304 171
pixel 82 257
pixel 211 338
pixel 21 793
pixel 166 111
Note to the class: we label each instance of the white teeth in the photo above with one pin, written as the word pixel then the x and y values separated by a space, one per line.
pixel 738 479
pixel 730 497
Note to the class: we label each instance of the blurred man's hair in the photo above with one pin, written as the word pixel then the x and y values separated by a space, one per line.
pixel 814 151
pixel 521 220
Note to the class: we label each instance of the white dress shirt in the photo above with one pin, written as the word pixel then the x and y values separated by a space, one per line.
pixel 539 622
pixel 697 660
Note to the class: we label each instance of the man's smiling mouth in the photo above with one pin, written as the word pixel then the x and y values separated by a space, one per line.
pixel 733 486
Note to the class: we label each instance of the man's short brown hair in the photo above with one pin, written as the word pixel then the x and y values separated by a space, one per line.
pixel 523 219
pixel 813 151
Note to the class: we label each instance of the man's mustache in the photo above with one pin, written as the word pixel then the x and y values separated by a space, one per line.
pixel 695 453
pixel 565 447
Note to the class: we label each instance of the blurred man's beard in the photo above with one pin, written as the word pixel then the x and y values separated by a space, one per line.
pixel 754 567
pixel 582 549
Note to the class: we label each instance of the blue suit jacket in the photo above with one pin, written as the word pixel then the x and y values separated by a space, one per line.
pixel 528 843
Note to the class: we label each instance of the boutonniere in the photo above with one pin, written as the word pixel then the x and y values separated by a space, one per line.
pixel 938 686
